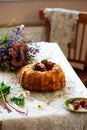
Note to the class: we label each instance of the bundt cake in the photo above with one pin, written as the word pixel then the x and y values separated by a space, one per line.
pixel 42 76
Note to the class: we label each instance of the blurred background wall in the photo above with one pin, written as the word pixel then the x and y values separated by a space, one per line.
pixel 27 11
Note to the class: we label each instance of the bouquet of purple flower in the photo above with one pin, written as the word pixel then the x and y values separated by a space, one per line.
pixel 14 49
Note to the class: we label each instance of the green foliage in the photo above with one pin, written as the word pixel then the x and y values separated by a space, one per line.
pixel 20 100
pixel 4 89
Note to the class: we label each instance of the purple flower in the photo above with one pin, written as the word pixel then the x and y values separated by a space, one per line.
pixel 31 49
pixel 10 41
pixel 29 41
pixel 17 31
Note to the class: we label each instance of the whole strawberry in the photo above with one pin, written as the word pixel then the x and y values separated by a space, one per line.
pixel 76 105
pixel 86 105
pixel 40 67
pixel 83 102
pixel 49 65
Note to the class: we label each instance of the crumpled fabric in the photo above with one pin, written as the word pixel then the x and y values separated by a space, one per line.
pixel 63 25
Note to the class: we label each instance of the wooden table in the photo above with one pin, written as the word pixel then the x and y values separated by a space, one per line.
pixel 52 114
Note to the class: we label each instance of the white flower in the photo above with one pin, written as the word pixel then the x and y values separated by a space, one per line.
pixel 25 93
pixel 22 28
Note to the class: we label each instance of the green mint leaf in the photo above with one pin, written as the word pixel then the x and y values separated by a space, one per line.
pixel 20 100
pixel 5 89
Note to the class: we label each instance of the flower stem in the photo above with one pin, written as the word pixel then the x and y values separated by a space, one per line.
pixel 6 106
pixel 19 111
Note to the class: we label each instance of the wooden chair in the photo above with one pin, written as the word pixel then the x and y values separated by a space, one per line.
pixel 0 125
pixel 82 73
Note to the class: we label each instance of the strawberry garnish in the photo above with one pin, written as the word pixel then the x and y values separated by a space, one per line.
pixel 44 65
pixel 39 67
pixel 49 65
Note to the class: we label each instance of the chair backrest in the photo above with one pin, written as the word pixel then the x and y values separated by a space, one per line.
pixel 80 48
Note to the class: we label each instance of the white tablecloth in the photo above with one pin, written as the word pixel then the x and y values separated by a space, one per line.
pixel 52 114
